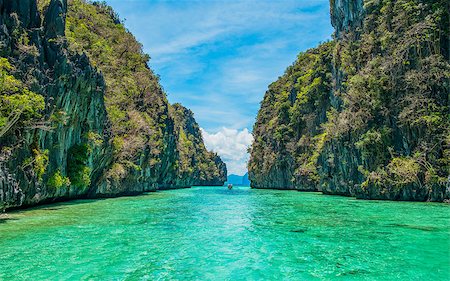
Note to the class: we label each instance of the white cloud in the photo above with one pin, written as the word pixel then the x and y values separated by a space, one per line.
pixel 231 145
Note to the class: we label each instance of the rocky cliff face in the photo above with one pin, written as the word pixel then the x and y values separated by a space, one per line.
pixel 346 15
pixel 288 127
pixel 74 150
pixel 145 131
pixel 195 164
pixel 383 132
pixel 72 89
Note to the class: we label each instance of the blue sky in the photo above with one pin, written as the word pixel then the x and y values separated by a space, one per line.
pixel 218 57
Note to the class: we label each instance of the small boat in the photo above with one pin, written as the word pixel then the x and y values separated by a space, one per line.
pixel 230 186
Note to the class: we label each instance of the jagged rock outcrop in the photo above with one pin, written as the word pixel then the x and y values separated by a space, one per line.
pixel 144 128
pixel 346 15
pixel 288 126
pixel 26 10
pixel 383 132
pixel 76 149
pixel 196 165
pixel 72 89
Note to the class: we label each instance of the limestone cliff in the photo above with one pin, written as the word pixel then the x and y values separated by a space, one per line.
pixel 204 167
pixel 346 15
pixel 288 126
pixel 81 145
pixel 73 90
pixel 377 127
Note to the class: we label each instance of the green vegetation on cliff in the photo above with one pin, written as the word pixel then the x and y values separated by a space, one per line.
pixel 137 107
pixel 134 100
pixel 204 167
pixel 19 107
pixel 288 132
pixel 381 129
pixel 82 114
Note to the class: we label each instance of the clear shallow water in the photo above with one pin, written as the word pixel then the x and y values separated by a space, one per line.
pixel 211 233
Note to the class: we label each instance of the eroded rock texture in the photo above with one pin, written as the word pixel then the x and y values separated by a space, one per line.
pixel 70 152
pixel 367 114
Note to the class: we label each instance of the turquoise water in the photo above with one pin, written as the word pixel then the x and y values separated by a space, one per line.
pixel 211 233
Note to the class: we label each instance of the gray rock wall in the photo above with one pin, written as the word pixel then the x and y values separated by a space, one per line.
pixel 346 15
pixel 70 85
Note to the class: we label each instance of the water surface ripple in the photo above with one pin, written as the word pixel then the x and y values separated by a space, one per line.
pixel 211 233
